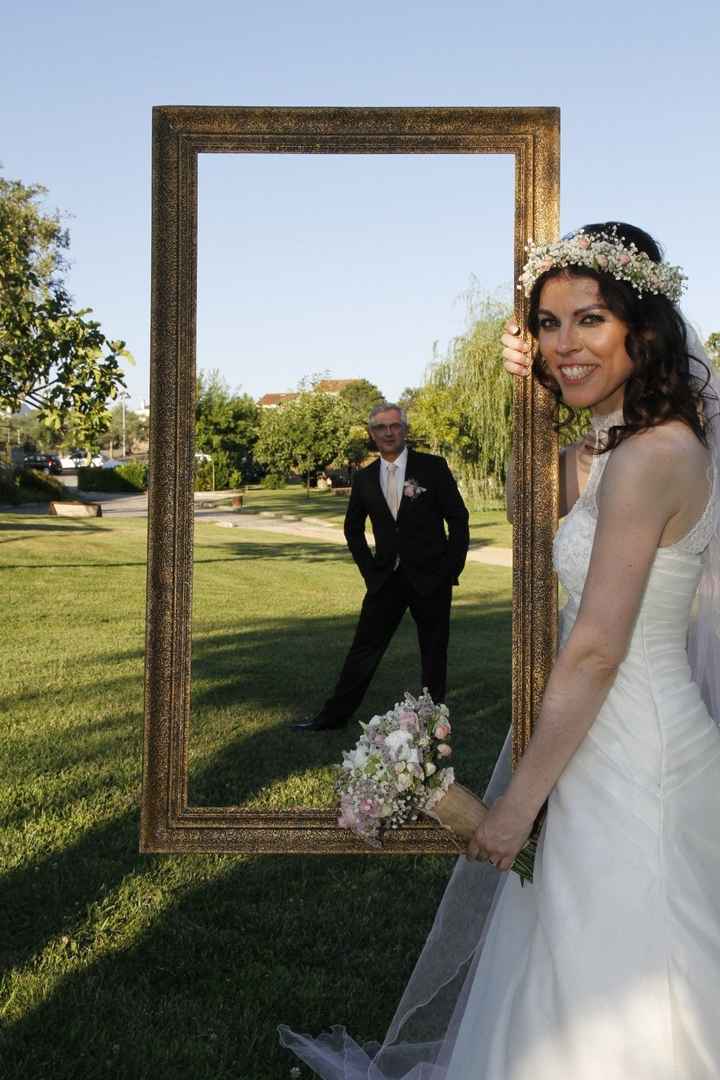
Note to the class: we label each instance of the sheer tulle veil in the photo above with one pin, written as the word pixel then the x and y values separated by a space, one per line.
pixel 422 1034
pixel 704 637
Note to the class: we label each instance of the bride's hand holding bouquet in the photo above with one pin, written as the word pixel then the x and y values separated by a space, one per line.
pixel 502 834
pixel 400 768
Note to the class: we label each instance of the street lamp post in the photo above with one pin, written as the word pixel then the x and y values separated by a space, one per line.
pixel 124 396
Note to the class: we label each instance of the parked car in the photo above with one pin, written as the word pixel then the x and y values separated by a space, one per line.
pixel 49 463
pixel 73 459
pixel 78 459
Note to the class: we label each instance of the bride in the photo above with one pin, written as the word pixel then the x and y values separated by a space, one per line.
pixel 607 967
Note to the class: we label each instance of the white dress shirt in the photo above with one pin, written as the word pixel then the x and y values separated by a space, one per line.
pixel 401 462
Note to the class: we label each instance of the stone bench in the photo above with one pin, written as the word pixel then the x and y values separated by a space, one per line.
pixel 75 509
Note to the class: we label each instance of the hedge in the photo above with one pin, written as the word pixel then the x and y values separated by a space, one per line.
pixel 130 477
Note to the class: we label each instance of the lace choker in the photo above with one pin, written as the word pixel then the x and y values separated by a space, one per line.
pixel 601 424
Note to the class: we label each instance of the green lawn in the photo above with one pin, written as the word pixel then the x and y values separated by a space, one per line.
pixel 129 966
pixel 486 526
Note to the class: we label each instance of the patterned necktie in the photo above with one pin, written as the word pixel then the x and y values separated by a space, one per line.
pixel 392 491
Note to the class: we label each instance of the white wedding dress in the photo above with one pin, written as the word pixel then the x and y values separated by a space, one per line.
pixel 606 967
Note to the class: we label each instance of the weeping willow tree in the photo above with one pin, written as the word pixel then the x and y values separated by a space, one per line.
pixel 464 409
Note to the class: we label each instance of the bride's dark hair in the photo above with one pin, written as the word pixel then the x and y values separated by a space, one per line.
pixel 660 386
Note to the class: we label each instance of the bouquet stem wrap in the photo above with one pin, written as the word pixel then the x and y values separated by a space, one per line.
pixel 462 812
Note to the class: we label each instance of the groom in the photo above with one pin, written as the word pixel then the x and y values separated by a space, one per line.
pixel 408 497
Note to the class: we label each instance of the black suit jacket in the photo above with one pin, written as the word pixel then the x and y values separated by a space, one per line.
pixel 428 554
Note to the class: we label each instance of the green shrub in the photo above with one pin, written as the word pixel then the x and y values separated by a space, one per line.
pixel 8 484
pixel 273 481
pixel 217 475
pixel 36 486
pixel 204 478
pixel 130 477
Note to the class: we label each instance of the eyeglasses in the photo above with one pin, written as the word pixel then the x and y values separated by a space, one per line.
pixel 392 429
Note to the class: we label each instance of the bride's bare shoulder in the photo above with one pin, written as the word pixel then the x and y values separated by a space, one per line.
pixel 670 451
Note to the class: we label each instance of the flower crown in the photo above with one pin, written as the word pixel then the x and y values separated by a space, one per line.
pixel 609 254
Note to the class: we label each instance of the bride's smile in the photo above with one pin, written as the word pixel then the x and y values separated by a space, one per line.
pixel 583 343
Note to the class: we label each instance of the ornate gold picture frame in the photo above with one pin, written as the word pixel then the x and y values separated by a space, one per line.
pixel 180 134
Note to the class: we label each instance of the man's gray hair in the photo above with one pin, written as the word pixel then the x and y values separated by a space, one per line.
pixel 383 407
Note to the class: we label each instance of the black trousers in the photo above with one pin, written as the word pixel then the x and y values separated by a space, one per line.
pixel 380 617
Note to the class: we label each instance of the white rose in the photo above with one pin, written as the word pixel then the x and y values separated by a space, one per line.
pixel 358 756
pixel 430 768
pixel 396 740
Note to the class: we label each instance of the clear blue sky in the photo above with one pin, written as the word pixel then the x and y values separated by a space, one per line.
pixel 354 265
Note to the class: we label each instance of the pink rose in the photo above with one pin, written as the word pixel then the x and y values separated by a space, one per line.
pixel 408 721
pixel 442 731
pixel 379 740
pixel 348 819
pixel 624 259
pixel 584 242
pixel 444 750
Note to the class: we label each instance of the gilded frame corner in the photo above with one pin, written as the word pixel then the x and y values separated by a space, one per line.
pixel 532 136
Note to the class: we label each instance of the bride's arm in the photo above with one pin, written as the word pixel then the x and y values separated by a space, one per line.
pixel 645 485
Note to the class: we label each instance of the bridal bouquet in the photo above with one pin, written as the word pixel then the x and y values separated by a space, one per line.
pixel 399 768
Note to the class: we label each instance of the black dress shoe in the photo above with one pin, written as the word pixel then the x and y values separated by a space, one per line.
pixel 318 723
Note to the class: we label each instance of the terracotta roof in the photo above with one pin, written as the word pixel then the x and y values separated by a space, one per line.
pixel 334 386
pixel 275 399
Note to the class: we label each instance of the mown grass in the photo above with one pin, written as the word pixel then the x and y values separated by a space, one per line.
pixel 128 966
pixel 486 526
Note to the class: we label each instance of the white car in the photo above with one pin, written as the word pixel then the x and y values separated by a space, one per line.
pixel 78 461
pixel 68 462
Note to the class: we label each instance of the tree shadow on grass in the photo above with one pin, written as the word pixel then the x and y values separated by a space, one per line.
pixel 297 551
pixel 57 525
pixel 46 897
pixel 302 552
pixel 246 688
pixel 243 944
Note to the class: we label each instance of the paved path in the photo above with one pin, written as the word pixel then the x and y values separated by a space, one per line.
pixel 120 504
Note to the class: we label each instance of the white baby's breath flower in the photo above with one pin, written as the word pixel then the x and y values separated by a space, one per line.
pixel 608 253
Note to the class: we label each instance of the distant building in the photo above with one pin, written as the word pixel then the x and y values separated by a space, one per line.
pixel 325 386
pixel 334 386
pixel 271 401
pixel 144 411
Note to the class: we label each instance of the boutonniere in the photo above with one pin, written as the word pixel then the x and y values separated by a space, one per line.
pixel 411 489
